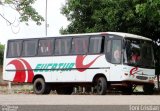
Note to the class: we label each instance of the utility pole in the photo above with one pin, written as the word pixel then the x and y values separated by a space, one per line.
pixel 46 24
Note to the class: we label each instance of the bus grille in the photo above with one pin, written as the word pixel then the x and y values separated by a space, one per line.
pixel 142 77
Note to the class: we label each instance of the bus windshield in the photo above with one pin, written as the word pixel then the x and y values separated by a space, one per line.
pixel 138 53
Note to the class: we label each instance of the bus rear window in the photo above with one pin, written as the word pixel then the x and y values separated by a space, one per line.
pixel 14 48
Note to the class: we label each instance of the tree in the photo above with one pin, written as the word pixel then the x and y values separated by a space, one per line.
pixel 25 9
pixel 133 16
pixel 1 53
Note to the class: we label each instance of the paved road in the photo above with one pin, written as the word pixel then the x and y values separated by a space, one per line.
pixel 79 100
pixel 33 102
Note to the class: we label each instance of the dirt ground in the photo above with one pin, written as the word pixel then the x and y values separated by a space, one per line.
pixel 16 89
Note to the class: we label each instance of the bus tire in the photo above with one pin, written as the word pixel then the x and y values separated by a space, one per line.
pixel 40 87
pixel 148 89
pixel 64 90
pixel 101 86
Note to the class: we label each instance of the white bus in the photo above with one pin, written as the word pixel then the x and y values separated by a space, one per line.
pixel 99 60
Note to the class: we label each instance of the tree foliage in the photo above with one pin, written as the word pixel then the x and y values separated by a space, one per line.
pixel 25 9
pixel 1 53
pixel 133 16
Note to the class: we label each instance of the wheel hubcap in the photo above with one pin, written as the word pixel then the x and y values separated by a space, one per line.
pixel 99 86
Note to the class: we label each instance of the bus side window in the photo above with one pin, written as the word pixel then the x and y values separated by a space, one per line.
pixel 30 47
pixel 96 45
pixel 14 48
pixel 62 46
pixel 45 47
pixel 80 45
pixel 108 50
pixel 114 51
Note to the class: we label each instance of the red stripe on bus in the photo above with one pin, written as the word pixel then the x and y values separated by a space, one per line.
pixel 79 63
pixel 20 75
pixel 29 69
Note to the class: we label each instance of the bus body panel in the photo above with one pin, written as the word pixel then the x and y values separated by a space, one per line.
pixel 63 69
pixel 57 69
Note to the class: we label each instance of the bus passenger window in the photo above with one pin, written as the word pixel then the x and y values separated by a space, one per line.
pixel 14 48
pixel 30 47
pixel 116 55
pixel 80 45
pixel 116 51
pixel 62 46
pixel 113 51
pixel 45 47
pixel 95 45
pixel 108 50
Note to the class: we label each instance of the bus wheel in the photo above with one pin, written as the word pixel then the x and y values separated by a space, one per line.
pixel 101 86
pixel 64 90
pixel 148 89
pixel 40 87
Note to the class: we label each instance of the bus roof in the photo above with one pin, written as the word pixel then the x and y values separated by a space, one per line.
pixel 128 35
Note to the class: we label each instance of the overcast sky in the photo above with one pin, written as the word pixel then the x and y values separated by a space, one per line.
pixel 55 21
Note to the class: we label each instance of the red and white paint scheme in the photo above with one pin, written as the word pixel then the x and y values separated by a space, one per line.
pixel 98 60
